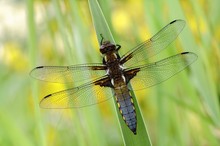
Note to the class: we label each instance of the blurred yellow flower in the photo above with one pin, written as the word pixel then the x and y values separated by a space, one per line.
pixel 121 21
pixel 12 56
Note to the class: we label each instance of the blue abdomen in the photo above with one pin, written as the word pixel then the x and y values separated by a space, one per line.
pixel 127 110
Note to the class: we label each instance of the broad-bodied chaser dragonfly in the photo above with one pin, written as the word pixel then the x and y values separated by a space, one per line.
pixel 114 74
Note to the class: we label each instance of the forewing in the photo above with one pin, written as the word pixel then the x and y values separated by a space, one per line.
pixel 155 73
pixel 154 45
pixel 85 95
pixel 68 74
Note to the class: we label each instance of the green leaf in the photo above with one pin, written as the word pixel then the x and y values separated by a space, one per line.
pixel 142 137
pixel 32 57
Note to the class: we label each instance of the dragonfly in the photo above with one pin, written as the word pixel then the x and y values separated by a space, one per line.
pixel 111 78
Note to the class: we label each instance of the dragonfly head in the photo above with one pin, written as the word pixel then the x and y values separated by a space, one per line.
pixel 107 47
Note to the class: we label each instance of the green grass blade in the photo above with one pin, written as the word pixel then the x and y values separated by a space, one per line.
pixel 32 54
pixel 99 21
pixel 142 137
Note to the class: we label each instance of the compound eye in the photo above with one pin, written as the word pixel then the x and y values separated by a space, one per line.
pixel 103 50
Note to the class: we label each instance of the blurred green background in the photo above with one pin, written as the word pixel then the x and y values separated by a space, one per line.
pixel 181 111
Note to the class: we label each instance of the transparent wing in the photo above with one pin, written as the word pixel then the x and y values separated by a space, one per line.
pixel 154 45
pixel 155 73
pixel 87 94
pixel 68 74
